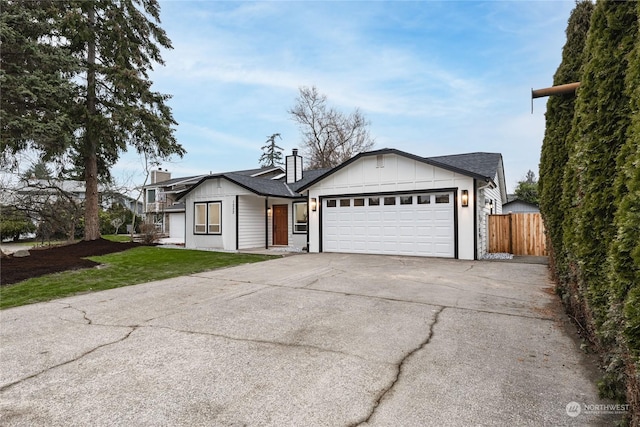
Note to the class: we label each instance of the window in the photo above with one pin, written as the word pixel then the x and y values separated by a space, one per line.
pixel 406 200
pixel 207 218
pixel 389 201
pixel 345 203
pixel 300 217
pixel 424 200
pixel 331 203
pixel 358 202
pixel 374 201
pixel 200 218
pixel 214 217
pixel 151 195
pixel 442 198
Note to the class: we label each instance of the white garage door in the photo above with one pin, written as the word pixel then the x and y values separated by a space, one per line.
pixel 413 224
pixel 176 225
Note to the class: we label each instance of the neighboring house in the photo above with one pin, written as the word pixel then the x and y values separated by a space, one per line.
pixel 48 190
pixel 381 202
pixel 160 206
pixel 515 205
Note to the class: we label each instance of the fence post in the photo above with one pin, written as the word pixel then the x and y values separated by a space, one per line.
pixel 510 233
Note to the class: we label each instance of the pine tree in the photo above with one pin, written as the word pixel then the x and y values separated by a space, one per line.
pixel 272 154
pixel 115 44
pixel 559 118
pixel 36 105
pixel 527 189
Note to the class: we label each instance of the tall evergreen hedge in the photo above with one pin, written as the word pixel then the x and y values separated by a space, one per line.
pixel 559 118
pixel 602 117
pixel 590 188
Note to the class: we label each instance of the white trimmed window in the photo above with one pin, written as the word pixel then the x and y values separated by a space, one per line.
pixel 300 217
pixel 207 218
pixel 215 211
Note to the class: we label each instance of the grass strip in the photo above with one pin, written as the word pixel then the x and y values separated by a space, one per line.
pixel 131 267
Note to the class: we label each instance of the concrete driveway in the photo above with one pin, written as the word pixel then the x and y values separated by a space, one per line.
pixel 321 339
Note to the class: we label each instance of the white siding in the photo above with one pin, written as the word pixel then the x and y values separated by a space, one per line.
pixel 214 190
pixel 251 226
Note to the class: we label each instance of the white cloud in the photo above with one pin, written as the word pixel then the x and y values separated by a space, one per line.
pixel 433 77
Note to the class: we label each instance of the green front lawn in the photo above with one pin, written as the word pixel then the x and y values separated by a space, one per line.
pixel 117 237
pixel 137 265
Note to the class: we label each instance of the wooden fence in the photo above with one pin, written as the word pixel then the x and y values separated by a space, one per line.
pixel 517 234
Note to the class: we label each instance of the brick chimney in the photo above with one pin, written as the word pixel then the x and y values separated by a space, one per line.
pixel 160 175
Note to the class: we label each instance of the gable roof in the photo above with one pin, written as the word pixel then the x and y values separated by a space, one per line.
pixel 262 186
pixel 482 166
pixel 190 180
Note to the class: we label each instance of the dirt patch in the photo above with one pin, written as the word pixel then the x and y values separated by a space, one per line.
pixel 56 259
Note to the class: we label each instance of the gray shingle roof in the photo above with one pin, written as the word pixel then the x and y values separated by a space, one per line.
pixel 265 187
pixel 485 164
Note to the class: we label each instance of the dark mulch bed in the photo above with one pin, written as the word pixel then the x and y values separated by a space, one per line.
pixel 58 258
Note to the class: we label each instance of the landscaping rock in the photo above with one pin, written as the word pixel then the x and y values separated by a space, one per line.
pixel 21 253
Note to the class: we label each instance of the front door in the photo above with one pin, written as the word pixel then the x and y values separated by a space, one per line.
pixel 280 225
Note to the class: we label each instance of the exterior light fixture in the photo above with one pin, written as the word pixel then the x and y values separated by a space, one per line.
pixel 268 211
pixel 465 198
pixel 314 204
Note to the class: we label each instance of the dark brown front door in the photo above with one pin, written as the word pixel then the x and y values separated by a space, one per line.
pixel 280 225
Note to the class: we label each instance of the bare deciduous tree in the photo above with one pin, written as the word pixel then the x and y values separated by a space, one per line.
pixel 329 136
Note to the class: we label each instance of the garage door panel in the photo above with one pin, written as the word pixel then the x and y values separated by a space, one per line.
pixel 373 216
pixel 405 229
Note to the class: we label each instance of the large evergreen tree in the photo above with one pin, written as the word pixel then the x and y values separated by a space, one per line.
pixel 559 117
pixel 36 106
pixel 599 130
pixel 115 43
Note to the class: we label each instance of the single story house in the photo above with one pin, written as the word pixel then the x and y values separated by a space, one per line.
pixel 515 205
pixel 380 202
pixel 161 207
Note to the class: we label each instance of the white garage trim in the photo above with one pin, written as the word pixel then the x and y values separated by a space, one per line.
pixel 417 222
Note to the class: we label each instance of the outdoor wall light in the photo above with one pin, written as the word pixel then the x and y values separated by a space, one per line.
pixel 268 211
pixel 314 204
pixel 465 198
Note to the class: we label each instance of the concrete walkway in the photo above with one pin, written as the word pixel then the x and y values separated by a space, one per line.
pixel 309 340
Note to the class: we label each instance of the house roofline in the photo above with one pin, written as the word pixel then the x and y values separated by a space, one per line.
pixel 403 154
pixel 246 187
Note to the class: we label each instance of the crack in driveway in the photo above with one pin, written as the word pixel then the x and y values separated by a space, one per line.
pixel 66 362
pixel 399 371
pixel 266 342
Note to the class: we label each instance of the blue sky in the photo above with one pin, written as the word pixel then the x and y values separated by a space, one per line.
pixel 434 78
